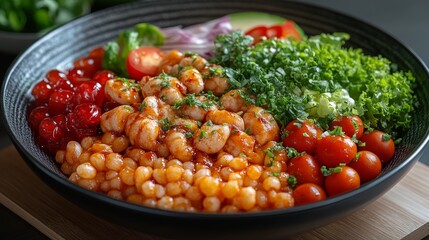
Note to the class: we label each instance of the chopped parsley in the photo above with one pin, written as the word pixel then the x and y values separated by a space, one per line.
pixel 166 124
pixel 130 84
pixel 386 137
pixel 318 78
pixel 192 100
pixel 203 134
pixel 328 171
pixel 291 152
pixel 338 131
pixel 247 131
pixel 292 181
pixel 142 106
pixel 188 134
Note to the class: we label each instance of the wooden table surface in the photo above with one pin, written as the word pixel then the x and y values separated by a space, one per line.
pixel 401 213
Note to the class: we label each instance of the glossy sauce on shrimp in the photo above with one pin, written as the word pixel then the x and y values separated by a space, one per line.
pixel 182 140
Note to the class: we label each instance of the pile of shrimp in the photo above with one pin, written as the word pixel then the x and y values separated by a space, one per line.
pixel 183 141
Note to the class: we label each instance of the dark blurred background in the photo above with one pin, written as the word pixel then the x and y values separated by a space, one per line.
pixel 406 20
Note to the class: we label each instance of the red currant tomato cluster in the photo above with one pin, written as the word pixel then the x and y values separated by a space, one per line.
pixel 336 161
pixel 68 104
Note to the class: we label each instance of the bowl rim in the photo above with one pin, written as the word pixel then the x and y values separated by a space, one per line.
pixel 32 161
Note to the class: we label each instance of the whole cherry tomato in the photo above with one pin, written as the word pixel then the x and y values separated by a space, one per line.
pixel 308 193
pixel 341 181
pixel 305 169
pixel 367 164
pixel 143 61
pixel 351 125
pixel 301 135
pixel 379 143
pixel 332 150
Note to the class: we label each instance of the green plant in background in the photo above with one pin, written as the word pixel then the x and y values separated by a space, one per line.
pixel 39 15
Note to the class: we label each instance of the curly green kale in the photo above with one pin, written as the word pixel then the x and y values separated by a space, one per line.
pixel 318 78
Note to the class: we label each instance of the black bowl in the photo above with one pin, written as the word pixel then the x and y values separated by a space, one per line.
pixel 60 47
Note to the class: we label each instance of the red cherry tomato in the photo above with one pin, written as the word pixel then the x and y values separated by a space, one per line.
pixel 285 30
pixel 274 31
pixel 351 125
pixel 308 193
pixel 302 136
pixel 367 164
pixel 305 169
pixel 257 33
pixel 143 61
pixel 290 30
pixel 379 143
pixel 345 180
pixel 332 150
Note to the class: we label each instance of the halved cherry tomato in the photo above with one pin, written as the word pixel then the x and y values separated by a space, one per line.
pixel 289 30
pixel 285 30
pixel 257 33
pixel 275 31
pixel 143 61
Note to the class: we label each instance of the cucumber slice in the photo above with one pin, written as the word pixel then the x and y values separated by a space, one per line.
pixel 247 20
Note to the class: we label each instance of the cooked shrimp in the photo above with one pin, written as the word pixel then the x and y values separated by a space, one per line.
pixel 173 94
pixel 142 132
pixel 178 145
pixel 115 119
pixel 169 60
pixel 193 60
pixel 211 139
pixel 239 142
pixel 224 117
pixel 275 157
pixel 149 108
pixel 162 150
pixel 262 125
pixel 190 124
pixel 167 88
pixel 192 79
pixel 232 101
pixel 196 107
pixel 214 79
pixel 123 91
pixel 166 111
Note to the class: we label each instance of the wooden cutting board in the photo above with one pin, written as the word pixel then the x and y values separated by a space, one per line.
pixel 402 213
